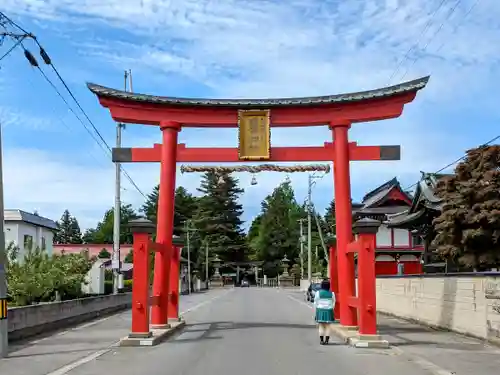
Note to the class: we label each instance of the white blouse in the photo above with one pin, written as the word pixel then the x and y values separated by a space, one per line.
pixel 324 303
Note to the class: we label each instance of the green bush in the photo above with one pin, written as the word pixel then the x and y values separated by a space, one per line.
pixel 37 277
pixel 108 287
pixel 127 285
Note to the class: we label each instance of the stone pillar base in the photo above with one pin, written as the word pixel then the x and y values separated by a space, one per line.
pixel 142 335
pixel 216 282
pixel 368 341
pixel 286 282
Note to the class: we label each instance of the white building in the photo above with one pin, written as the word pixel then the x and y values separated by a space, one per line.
pixel 26 229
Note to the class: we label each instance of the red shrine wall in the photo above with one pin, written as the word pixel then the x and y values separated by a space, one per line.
pixel 397 246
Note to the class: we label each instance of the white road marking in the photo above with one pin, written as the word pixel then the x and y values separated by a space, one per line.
pixel 423 363
pixel 71 366
pixel 205 302
pixel 64 370
pixel 301 302
pixel 77 328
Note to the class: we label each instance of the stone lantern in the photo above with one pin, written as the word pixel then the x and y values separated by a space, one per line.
pixel 286 281
pixel 285 262
pixel 217 278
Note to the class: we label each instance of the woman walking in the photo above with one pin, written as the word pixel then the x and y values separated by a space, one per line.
pixel 324 303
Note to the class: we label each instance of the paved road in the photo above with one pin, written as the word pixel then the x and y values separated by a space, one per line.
pixel 248 331
pixel 57 353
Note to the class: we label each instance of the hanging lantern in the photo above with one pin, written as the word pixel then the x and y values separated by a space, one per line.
pixel 254 181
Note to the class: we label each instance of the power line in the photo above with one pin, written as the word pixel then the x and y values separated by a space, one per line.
pixel 438 30
pixel 11 49
pixel 413 46
pixel 48 61
pixel 456 161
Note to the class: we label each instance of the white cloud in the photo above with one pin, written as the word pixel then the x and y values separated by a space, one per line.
pixel 270 48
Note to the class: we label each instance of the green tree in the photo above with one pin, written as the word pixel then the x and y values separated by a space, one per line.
pixel 68 230
pixel 468 228
pixel 329 218
pixel 278 230
pixel 218 218
pixel 185 207
pixel 104 254
pixel 150 206
pixel 252 238
pixel 36 277
pixel 129 258
pixel 103 233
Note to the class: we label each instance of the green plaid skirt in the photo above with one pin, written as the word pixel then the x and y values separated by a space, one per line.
pixel 324 316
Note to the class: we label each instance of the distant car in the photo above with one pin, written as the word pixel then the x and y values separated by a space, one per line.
pixel 313 288
pixel 245 284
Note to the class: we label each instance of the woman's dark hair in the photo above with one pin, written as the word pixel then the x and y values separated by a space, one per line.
pixel 325 284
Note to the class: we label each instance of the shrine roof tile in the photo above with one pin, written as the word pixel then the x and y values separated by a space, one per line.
pixel 405 87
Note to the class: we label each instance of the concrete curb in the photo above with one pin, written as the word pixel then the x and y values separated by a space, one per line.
pixel 351 337
pixel 158 335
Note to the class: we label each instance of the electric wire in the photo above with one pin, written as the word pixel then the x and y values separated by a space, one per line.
pixel 49 62
pixel 11 48
pixel 457 160
pixel 438 30
pixel 413 46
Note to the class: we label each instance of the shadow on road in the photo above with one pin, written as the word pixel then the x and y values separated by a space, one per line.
pixel 208 328
pixel 408 334
pixel 52 352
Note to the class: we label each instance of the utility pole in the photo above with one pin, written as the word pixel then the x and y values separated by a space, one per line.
pixel 309 228
pixel 188 230
pixel 116 215
pixel 301 249
pixel 206 263
pixel 4 343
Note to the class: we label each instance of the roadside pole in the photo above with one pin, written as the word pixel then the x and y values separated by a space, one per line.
pixel 116 259
pixel 206 263
pixel 4 342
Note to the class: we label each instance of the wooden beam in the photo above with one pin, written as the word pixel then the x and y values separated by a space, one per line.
pixel 278 154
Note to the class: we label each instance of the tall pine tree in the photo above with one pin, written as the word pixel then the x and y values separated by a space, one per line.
pixel 329 218
pixel 103 233
pixel 185 207
pixel 68 230
pixel 278 230
pixel 218 217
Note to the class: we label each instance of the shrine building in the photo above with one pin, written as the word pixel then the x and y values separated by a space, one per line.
pixel 397 250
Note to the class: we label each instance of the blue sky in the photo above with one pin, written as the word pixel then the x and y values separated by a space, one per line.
pixel 257 48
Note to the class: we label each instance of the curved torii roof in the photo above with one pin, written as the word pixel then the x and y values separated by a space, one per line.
pixel 380 93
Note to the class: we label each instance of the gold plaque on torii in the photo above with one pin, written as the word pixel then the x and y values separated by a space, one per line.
pixel 254 134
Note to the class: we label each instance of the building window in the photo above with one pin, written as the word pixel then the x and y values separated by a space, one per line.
pixel 28 242
pixel 44 245
pixel 417 240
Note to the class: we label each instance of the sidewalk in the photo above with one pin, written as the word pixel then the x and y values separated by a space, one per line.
pixel 59 352
pixel 442 352
pixel 439 352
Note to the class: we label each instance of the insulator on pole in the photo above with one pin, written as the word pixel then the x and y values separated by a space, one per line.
pixel 29 56
pixel 45 56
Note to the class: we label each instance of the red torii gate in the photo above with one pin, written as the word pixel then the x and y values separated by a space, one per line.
pixel 254 117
